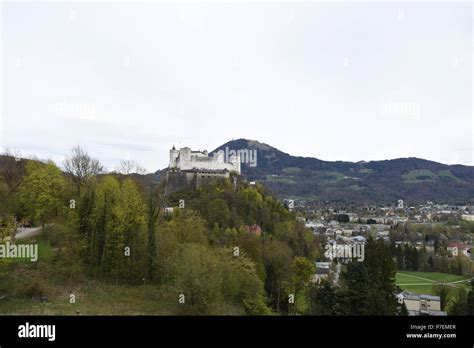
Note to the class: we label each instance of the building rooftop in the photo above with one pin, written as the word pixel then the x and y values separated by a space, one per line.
pixel 413 296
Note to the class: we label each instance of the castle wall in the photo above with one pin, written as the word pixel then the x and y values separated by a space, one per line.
pixel 203 178
pixel 177 180
pixel 192 169
pixel 186 159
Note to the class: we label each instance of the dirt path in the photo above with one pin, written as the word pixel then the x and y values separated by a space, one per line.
pixel 408 275
pixel 26 232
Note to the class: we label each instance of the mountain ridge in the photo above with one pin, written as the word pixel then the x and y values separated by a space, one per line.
pixel 232 142
pixel 413 179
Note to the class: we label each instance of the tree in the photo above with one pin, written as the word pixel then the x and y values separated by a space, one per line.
pixel 41 191
pixel 399 254
pixel 344 218
pixel 381 272
pixel 96 221
pixel 13 169
pixel 152 218
pixel 81 166
pixel 197 279
pixel 7 226
pixel 324 300
pixel 461 264
pixel 218 212
pixel 130 222
pixel 459 302
pixel 442 290
pixel 470 300
pixel 277 258
pixel 356 288
pixel 403 309
pixel 122 230
pixel 188 226
pixel 127 167
pixel 431 263
pixel 241 284
pixel 302 270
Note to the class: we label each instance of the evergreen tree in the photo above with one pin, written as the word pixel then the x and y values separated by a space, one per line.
pixel 356 288
pixel 470 300
pixel 381 273
pixel 324 300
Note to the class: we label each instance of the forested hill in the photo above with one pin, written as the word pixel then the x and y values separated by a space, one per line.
pixel 413 179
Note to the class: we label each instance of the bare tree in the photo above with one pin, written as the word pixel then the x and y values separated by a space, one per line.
pixel 81 166
pixel 13 168
pixel 127 167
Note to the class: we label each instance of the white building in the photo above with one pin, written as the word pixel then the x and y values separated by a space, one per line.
pixel 187 159
pixel 192 169
pixel 421 304
pixel 468 217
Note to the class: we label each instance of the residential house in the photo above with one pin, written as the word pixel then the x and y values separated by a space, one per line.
pixel 254 229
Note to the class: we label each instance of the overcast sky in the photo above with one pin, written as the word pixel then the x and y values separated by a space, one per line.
pixel 336 81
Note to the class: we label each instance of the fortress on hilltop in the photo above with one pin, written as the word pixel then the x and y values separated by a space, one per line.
pixel 188 168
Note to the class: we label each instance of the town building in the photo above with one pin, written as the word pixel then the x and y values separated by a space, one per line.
pixel 255 229
pixel 323 270
pixel 468 217
pixel 454 249
pixel 421 304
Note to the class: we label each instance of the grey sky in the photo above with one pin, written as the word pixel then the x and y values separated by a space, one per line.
pixel 336 81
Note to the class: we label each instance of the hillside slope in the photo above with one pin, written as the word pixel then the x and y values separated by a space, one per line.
pixel 412 179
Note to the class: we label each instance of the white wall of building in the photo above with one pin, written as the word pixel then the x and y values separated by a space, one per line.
pixel 186 159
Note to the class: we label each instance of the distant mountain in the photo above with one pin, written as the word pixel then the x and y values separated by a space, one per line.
pixel 411 179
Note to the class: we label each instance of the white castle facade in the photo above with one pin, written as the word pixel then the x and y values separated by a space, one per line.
pixel 186 159
pixel 188 168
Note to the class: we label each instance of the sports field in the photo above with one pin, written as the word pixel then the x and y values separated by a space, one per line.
pixel 422 282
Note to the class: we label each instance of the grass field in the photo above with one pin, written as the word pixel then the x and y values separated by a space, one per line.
pixel 20 277
pixel 422 282
pixel 94 298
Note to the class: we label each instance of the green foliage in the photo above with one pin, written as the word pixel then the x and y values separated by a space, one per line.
pixel 7 226
pixel 324 300
pixel 41 191
pixel 117 234
pixel 442 290
pixel 302 271
pixel 215 281
pixel 403 309
pixel 357 290
pixel 242 284
pixel 470 300
pixel 218 212
pixel 189 227
pixel 459 305
pixel 277 258
pixel 381 272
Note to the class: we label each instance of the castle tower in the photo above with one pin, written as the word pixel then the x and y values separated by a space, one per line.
pixel 235 161
pixel 184 160
pixel 173 157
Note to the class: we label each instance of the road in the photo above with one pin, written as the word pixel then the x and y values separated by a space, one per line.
pixel 26 232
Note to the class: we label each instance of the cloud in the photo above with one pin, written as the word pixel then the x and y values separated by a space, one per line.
pixel 333 81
